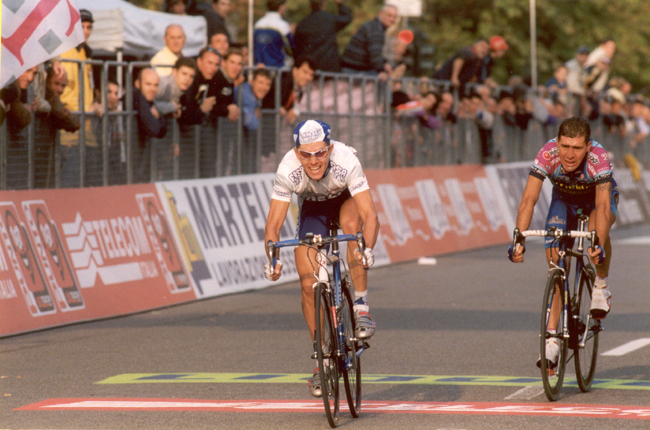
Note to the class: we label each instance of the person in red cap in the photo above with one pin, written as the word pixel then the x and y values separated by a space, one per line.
pixel 498 48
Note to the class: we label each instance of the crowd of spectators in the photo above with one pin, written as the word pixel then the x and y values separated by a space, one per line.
pixel 199 91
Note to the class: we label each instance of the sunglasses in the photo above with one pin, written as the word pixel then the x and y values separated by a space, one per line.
pixel 306 155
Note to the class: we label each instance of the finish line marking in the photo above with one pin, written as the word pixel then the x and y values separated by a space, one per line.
pixel 462 408
pixel 292 378
pixel 628 347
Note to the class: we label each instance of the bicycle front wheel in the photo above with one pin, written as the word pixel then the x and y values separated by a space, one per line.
pixel 552 372
pixel 586 333
pixel 352 363
pixel 326 347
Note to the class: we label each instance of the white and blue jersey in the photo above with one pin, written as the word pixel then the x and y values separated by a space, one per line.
pixel 272 38
pixel 320 200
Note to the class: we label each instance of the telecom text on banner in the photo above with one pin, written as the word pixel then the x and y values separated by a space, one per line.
pixel 34 32
pixel 435 210
pixel 67 256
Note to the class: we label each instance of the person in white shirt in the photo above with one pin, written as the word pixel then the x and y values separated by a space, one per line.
pixel 167 57
pixel 331 186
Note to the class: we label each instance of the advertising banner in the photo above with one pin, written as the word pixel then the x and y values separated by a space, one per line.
pixel 84 254
pixel 435 210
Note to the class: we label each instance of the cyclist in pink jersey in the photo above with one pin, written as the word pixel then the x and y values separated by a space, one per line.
pixel 581 174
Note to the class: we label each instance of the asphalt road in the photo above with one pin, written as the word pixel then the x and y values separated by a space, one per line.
pixel 469 324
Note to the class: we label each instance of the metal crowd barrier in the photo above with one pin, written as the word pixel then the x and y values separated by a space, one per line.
pixel 356 106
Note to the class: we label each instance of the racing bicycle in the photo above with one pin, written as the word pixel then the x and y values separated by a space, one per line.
pixel 336 349
pixel 577 330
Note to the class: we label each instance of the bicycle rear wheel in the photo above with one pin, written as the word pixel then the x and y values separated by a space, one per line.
pixel 326 347
pixel 552 375
pixel 587 329
pixel 352 364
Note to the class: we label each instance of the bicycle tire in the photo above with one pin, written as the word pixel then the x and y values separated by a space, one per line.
pixel 351 365
pixel 585 357
pixel 326 347
pixel 552 378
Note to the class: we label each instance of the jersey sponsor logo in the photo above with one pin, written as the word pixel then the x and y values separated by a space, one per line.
pixel 591 169
pixel 556 220
pixel 605 156
pixel 593 158
pixel 339 172
pixel 554 152
pixel 281 192
pixel 546 155
pixel 226 91
pixel 296 176
pixel 538 171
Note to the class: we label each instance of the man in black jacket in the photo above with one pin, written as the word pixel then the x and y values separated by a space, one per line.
pixel 150 122
pixel 316 35
pixel 364 52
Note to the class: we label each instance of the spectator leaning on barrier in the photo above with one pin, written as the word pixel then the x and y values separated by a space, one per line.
pixel 364 52
pixel 59 117
pixel 115 137
pixel 252 94
pixel 69 150
pixel 200 97
pixel 291 88
pixel 150 122
pixel 164 59
pixel 173 86
pixel 464 66
pixel 316 35
pixel 273 37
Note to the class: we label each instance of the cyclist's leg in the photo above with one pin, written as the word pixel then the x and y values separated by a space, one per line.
pixel 559 216
pixel 351 223
pixel 602 270
pixel 313 219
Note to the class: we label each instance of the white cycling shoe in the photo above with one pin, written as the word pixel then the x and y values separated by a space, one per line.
pixel 552 353
pixel 600 298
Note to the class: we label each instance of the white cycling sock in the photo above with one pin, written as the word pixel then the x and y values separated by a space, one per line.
pixel 600 282
pixel 361 301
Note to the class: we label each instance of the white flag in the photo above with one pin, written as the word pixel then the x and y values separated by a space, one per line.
pixel 33 31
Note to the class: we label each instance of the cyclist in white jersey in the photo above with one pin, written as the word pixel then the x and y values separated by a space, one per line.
pixel 330 184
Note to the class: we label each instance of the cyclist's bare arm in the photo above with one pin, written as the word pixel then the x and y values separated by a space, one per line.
pixel 277 214
pixel 368 214
pixel 526 208
pixel 602 216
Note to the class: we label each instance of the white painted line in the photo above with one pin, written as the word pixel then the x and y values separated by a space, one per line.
pixel 527 393
pixel 628 347
pixel 645 240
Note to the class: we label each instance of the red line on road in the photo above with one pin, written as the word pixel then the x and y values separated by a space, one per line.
pixel 462 408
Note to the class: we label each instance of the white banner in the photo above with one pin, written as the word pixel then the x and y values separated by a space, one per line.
pixel 34 31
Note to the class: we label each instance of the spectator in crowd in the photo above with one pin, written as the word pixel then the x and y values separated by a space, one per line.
pixel 316 35
pixel 215 16
pixel 19 116
pixel 498 48
pixel 150 122
pixel 172 87
pixel 69 149
pixel 611 109
pixel 291 88
pixel 177 7
pixel 597 65
pixel 225 107
pixel 59 117
pixel 292 84
pixel 115 137
pixel 164 59
pixel 523 106
pixel 219 41
pixel 557 85
pixel 273 38
pixel 464 66
pixel 201 96
pixel 575 80
pixel 641 127
pixel 14 97
pixel 364 51
pixel 252 94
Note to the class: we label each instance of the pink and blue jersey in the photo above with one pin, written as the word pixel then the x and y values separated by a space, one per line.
pixel 595 169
